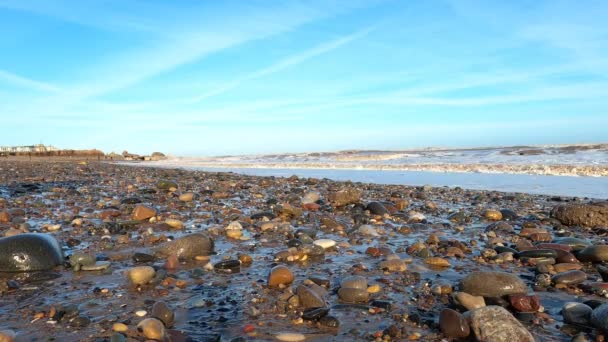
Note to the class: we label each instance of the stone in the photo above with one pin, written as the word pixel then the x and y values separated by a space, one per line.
pixel 393 265
pixel 469 302
pixel 594 253
pixel 187 247
pixel 7 335
pixel 586 215
pixel 314 314
pixel 437 261
pixel 325 243
pixel 152 329
pixel 290 337
pixel 165 184
pixel 576 313
pixel 537 253
pixel 599 317
pixel 143 212
pixel 353 295
pixel 228 266
pixel 5 217
pixel 453 324
pixel 309 298
pixel 329 321
pixel 310 197
pixel 174 223
pixel 492 284
pixel 119 327
pixel 163 312
pixel 354 282
pixel 368 229
pixel 493 215
pixel 29 252
pixel 186 197
pixel 344 197
pixel 280 275
pixel 140 275
pixel 377 208
pixel 575 244
pixel 524 303
pixel 79 259
pixel 572 277
pixel 496 324
pixel 97 266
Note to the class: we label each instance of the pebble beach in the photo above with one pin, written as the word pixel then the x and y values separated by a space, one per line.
pixel 96 251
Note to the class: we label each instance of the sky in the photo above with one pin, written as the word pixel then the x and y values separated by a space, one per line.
pixel 248 77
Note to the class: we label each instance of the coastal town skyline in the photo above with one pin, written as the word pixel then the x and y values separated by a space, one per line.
pixel 302 76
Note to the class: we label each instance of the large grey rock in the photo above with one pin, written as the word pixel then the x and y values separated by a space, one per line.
pixel 586 215
pixel 599 317
pixel 496 324
pixel 309 298
pixel 492 284
pixel 576 313
pixel 595 253
pixel 187 247
pixel 29 252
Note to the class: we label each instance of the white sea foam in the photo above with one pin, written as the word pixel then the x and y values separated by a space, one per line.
pixel 572 160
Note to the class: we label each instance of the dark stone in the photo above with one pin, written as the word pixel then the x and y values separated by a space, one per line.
pixel 143 258
pixel 509 215
pixel 166 184
pixel 329 321
pixel 525 303
pixel 569 277
pixel 80 321
pixel 268 214
pixel 603 271
pixel 314 314
pixel 229 266
pixel 29 252
pixel 502 249
pixel 294 243
pixel 377 208
pixel 453 324
pixel 130 200
pixel 382 304
pixel 537 253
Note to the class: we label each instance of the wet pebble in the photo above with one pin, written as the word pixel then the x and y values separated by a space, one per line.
pixel 353 295
pixel 355 282
pixel 595 253
pixel 290 337
pixel 524 303
pixel 492 284
pixel 152 328
pixel 453 324
pixel 280 275
pixel 470 302
pixel 569 277
pixel 576 313
pixel 140 275
pixel 163 312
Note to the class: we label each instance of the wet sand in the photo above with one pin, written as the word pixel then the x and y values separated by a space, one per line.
pixel 439 236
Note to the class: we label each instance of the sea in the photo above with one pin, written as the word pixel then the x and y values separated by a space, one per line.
pixel 557 170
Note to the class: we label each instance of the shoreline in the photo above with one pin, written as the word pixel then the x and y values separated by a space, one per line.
pixel 412 245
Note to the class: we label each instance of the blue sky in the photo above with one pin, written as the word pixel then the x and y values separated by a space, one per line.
pixel 241 77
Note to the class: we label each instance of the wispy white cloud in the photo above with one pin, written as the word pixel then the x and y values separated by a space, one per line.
pixel 286 63
pixel 20 81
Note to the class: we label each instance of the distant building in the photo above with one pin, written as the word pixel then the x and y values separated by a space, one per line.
pixel 31 148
